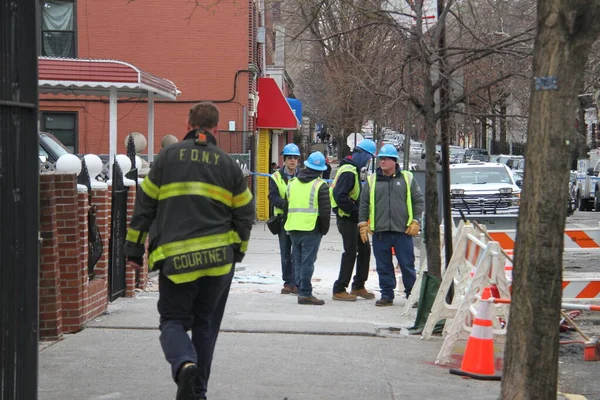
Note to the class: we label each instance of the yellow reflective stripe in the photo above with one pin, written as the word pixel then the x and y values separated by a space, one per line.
pixel 189 245
pixel 195 244
pixel 197 188
pixel 150 188
pixel 136 236
pixel 240 200
pixel 234 237
pixel 408 179
pixel 192 276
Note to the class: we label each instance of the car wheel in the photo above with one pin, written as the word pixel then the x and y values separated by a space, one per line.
pixel 582 204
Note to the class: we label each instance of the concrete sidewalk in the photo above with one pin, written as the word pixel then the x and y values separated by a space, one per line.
pixel 270 347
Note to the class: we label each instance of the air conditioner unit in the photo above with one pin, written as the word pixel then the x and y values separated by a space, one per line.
pixel 260 35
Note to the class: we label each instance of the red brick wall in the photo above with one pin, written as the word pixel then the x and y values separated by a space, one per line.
pixel 50 299
pixel 199 49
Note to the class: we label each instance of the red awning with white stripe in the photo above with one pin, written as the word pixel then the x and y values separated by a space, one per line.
pixel 78 76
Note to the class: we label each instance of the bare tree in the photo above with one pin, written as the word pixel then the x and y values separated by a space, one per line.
pixel 419 64
pixel 566 31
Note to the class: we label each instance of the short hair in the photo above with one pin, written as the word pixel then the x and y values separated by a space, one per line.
pixel 204 115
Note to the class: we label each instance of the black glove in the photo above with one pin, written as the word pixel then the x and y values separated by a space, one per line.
pixel 136 260
pixel 238 256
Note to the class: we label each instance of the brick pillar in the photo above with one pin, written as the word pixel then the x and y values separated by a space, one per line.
pixel 72 274
pixel 130 274
pixel 101 199
pixel 50 300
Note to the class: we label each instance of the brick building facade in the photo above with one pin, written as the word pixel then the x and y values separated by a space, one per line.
pixel 210 53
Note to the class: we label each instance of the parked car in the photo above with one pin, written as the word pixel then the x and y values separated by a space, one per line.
pixel 476 155
pixel 50 148
pixel 483 188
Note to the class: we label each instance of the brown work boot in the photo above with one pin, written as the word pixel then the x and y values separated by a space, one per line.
pixel 288 289
pixel 363 293
pixel 312 300
pixel 295 290
pixel 343 296
pixel 384 302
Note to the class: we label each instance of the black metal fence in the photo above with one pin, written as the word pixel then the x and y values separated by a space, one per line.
pixel 118 230
pixel 19 210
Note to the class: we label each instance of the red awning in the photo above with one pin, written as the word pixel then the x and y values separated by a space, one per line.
pixel 95 77
pixel 274 112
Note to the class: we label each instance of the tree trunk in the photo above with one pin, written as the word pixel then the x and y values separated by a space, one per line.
pixel 432 216
pixel 582 147
pixel 504 148
pixel 566 30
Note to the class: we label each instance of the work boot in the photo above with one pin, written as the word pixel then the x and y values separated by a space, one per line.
pixel 384 302
pixel 363 293
pixel 288 289
pixel 295 290
pixel 312 300
pixel 343 296
pixel 186 382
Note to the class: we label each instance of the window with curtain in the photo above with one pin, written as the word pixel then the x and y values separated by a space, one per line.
pixel 63 126
pixel 58 28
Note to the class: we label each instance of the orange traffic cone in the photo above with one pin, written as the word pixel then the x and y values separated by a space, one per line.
pixel 478 360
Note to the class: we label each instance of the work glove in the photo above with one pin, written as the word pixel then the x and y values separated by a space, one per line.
pixel 365 231
pixel 413 228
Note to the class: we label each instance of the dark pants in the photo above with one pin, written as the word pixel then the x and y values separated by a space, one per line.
pixel 354 251
pixel 197 306
pixel 383 242
pixel 305 250
pixel 285 248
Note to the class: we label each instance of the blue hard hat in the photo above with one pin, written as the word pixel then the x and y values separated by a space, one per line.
pixel 367 145
pixel 388 150
pixel 291 149
pixel 316 161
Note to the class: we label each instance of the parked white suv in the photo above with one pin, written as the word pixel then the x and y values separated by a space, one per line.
pixel 482 188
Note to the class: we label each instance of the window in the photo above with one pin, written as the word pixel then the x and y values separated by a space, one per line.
pixel 58 28
pixel 64 127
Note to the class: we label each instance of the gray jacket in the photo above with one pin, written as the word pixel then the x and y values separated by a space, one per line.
pixel 390 202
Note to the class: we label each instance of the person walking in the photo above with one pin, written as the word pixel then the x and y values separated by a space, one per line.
pixel 345 192
pixel 309 213
pixel 390 208
pixel 277 197
pixel 198 196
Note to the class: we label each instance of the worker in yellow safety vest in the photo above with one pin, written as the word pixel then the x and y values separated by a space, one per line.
pixel 345 192
pixel 197 201
pixel 390 208
pixel 277 198
pixel 309 213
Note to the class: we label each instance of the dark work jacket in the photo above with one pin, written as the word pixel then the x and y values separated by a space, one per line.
pixel 274 198
pixel 308 175
pixel 342 189
pixel 217 205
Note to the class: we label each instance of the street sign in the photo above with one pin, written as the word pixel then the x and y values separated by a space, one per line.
pixel 403 12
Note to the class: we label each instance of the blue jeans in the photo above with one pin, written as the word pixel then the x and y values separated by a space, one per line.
pixel 383 242
pixel 285 249
pixel 305 246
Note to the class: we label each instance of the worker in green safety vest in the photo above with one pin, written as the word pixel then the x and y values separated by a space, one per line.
pixel 390 207
pixel 277 198
pixel 309 213
pixel 345 192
